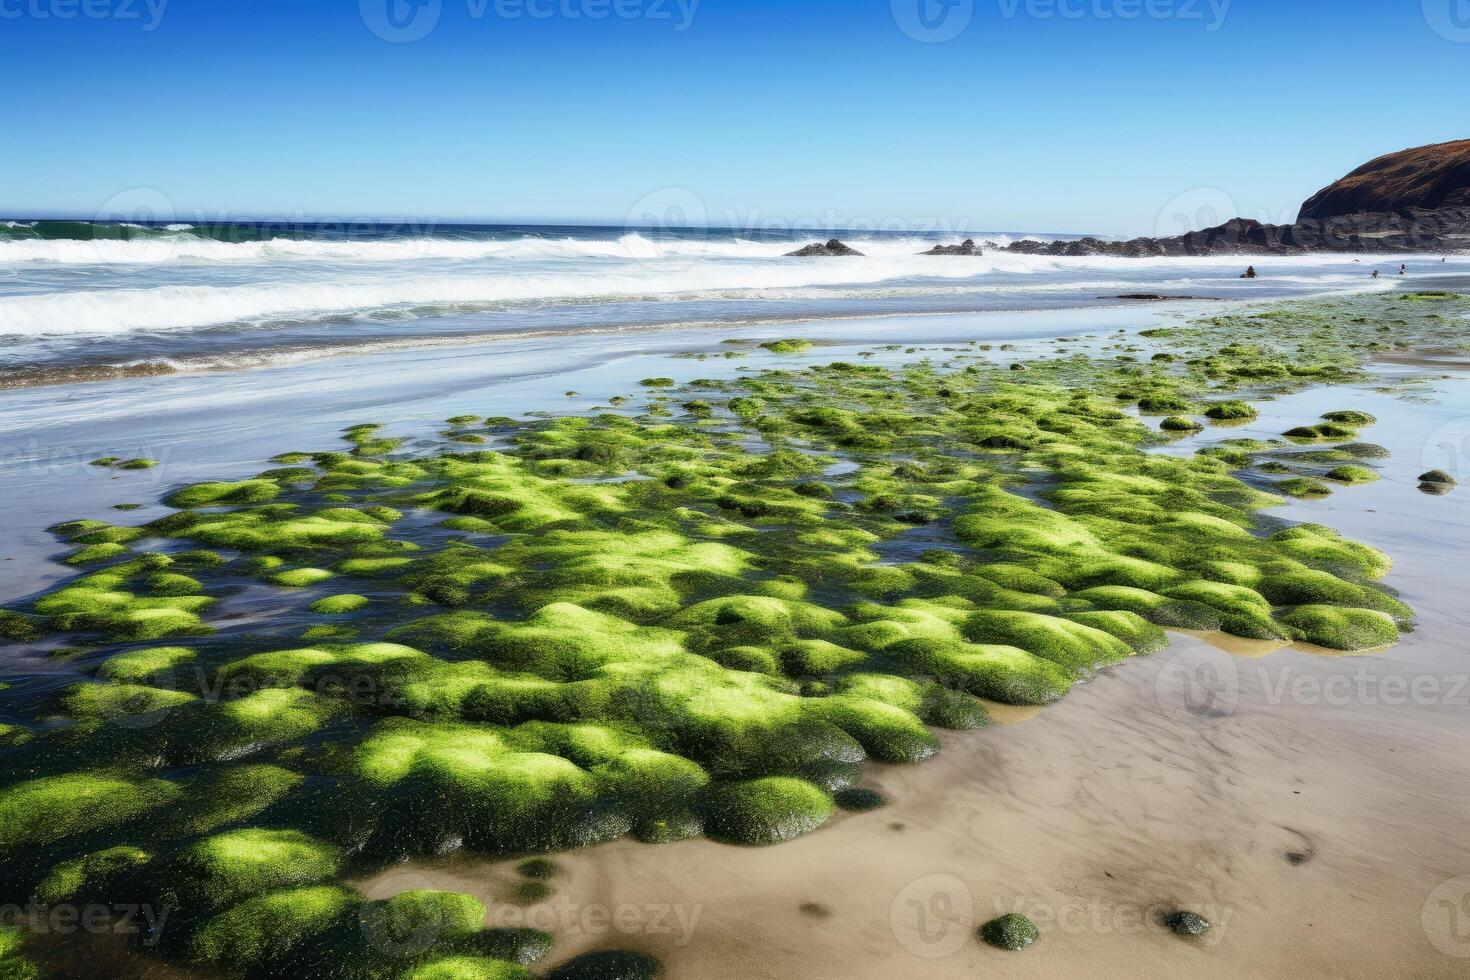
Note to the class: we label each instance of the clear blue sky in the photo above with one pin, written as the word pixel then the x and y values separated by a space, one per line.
pixel 765 111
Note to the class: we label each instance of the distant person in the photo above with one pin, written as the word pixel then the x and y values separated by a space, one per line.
pixel 1249 273
pixel 1375 273
pixel 1403 268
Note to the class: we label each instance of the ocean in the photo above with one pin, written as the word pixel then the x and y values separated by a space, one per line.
pixel 88 301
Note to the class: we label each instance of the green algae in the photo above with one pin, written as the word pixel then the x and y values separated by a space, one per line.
pixel 612 964
pixel 1012 932
pixel 1341 629
pixel 764 811
pixel 229 867
pixel 216 494
pixel 1350 474
pixel 50 808
pixel 469 968
pixel 1231 411
pixel 790 345
pixel 336 605
pixel 658 626
pixel 264 930
pixel 1303 487
pixel 91 876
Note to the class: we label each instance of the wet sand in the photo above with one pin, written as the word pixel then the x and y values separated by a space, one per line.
pixel 1312 807
pixel 1310 821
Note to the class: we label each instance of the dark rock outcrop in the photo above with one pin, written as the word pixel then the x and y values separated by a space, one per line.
pixel 1413 201
pixel 1426 178
pixel 831 247
pixel 967 247
pixel 1410 231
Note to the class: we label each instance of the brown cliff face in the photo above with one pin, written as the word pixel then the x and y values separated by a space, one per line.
pixel 1427 178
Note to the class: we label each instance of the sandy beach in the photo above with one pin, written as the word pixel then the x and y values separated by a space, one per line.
pixel 1308 804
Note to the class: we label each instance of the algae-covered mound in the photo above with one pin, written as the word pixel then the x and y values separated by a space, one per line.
pixel 1012 931
pixel 703 613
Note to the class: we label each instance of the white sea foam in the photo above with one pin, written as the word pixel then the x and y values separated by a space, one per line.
pixel 632 246
pixel 178 280
pixel 111 311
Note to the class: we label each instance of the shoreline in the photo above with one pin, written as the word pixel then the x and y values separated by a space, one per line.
pixel 62 359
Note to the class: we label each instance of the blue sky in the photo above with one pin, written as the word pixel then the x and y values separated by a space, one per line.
pixel 1114 116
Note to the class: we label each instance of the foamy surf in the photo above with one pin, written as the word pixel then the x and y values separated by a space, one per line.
pixel 81 301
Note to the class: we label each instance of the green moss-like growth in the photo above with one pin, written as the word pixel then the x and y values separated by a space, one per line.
pixel 17 628
pixel 90 877
pixel 336 605
pixel 1351 474
pixel 857 800
pixel 216 494
pixel 790 345
pixel 764 811
pixel 1180 423
pixel 1012 932
pixel 609 965
pixel 228 867
pixel 51 808
pixel 468 968
pixel 232 795
pixel 1303 488
pixel 298 578
pixel 14 965
pixel 1339 628
pixel 1063 642
pixel 265 929
pixel 1351 417
pixel 1231 411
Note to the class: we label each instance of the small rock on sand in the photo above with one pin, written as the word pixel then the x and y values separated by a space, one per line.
pixel 1187 923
